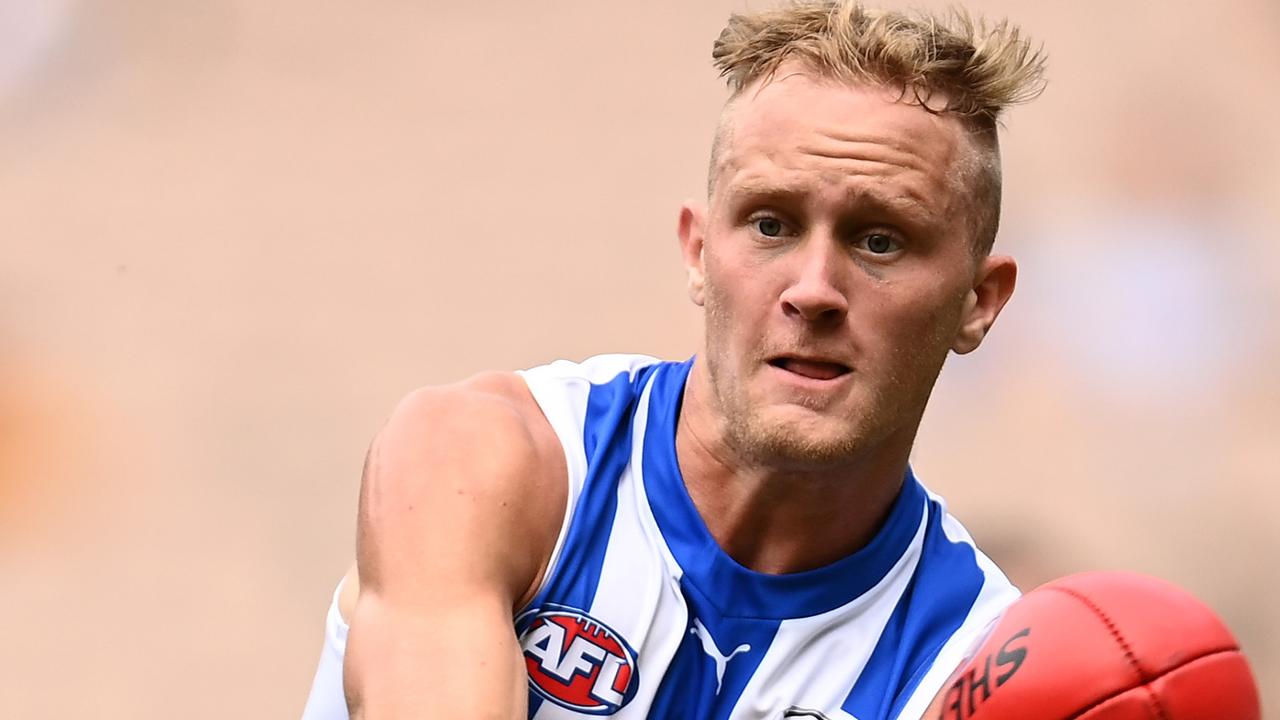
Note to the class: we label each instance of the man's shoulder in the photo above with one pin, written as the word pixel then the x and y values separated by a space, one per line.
pixel 493 412
pixel 509 415
pixel 472 462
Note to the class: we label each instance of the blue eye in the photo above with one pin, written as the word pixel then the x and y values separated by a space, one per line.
pixel 880 244
pixel 769 227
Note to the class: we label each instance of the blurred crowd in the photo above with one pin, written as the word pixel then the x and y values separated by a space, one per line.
pixel 235 233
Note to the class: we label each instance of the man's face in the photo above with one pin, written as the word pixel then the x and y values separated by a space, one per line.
pixel 835 264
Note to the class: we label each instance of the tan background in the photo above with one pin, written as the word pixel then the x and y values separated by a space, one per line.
pixel 235 232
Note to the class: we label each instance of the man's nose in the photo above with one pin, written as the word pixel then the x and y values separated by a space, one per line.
pixel 816 293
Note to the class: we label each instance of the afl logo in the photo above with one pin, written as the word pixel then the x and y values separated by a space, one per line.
pixel 578 662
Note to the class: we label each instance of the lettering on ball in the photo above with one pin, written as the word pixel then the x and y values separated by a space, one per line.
pixel 977 684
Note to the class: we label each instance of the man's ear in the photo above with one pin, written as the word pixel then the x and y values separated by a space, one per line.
pixel 992 288
pixel 691 229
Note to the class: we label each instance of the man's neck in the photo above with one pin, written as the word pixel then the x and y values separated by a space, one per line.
pixel 784 520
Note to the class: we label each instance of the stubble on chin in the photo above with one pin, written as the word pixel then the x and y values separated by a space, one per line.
pixel 748 429
pixel 887 406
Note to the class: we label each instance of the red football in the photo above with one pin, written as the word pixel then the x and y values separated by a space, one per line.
pixel 1104 646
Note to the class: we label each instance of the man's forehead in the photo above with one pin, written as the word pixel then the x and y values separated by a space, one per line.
pixel 796 105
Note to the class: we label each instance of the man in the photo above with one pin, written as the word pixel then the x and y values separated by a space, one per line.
pixel 740 535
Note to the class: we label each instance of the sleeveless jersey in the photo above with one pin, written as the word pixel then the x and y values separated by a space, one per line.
pixel 642 615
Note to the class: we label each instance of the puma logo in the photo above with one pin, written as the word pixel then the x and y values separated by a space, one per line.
pixel 710 648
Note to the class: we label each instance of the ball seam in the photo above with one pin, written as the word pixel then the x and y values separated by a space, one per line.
pixel 1129 655
pixel 1147 685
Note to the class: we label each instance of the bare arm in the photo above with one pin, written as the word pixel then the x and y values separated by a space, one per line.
pixel 462 498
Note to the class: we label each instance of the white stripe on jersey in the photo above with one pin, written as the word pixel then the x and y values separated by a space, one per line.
pixel 997 594
pixel 561 390
pixel 795 671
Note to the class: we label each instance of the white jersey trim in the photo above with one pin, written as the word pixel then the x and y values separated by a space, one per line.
pixel 561 389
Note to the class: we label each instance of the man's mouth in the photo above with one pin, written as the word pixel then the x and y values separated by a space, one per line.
pixel 809 368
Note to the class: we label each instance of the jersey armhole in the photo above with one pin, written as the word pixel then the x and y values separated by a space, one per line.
pixel 561 390
pixel 559 412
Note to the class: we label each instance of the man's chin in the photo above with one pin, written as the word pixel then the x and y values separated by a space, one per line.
pixel 800 438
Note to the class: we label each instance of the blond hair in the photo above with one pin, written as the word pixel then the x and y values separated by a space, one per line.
pixel 948 64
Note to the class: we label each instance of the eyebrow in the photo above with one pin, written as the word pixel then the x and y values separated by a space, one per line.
pixel 906 206
pixel 754 187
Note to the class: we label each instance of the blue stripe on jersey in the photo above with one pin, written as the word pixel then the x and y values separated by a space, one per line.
pixel 700 685
pixel 935 603
pixel 607 440
pixel 734 589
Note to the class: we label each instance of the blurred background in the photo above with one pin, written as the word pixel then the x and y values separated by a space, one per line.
pixel 234 233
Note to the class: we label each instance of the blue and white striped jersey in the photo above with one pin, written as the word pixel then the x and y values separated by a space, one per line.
pixel 642 615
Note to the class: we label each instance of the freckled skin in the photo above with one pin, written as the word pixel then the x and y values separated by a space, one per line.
pixel 835 229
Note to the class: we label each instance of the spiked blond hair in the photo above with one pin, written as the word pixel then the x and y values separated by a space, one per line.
pixel 949 64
